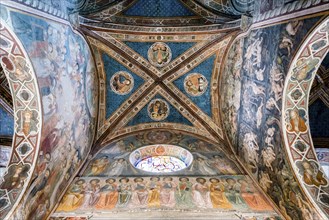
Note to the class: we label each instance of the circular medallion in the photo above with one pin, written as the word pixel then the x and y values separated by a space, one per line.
pixel 158 109
pixel 122 83
pixel 159 54
pixel 195 84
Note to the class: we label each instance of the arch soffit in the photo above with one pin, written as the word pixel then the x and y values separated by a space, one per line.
pixel 295 121
pixel 27 118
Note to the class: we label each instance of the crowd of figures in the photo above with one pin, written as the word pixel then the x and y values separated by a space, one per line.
pixel 224 193
pixel 257 117
pixel 61 60
pixel 203 164
pixel 113 160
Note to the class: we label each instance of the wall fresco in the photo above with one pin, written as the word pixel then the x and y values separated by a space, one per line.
pixel 5 152
pixel 110 186
pixel 231 95
pixel 22 82
pixel 113 159
pixel 64 70
pixel 296 126
pixel 112 195
pixel 323 156
pixel 260 74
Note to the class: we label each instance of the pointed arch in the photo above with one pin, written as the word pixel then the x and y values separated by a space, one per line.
pixel 27 118
pixel 295 121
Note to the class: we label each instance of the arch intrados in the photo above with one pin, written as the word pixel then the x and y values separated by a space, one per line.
pixel 295 120
pixel 21 76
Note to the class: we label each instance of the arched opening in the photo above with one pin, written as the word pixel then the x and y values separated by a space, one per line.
pixel 6 122
pixel 22 83
pixel 319 114
pixel 296 122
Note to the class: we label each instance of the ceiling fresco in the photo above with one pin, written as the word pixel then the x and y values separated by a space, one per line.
pixel 300 77
pixel 16 176
pixel 165 83
pixel 233 7
pixel 163 13
pixel 171 109
pixel 154 8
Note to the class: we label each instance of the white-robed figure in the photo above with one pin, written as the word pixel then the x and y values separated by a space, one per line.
pixel 201 194
pixel 200 164
pixel 118 166
pixel 140 193
pixel 91 194
pixel 167 193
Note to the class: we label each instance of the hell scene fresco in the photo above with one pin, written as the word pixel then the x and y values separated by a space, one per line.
pixel 167 109
pixel 256 112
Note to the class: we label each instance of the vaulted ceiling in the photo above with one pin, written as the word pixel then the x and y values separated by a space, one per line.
pixel 164 70
pixel 162 53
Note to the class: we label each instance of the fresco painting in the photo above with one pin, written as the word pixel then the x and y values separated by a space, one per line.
pixel 226 193
pixel 159 54
pixel 311 173
pixel 263 102
pixel 231 98
pixel 5 152
pixel 21 157
pixel 260 71
pixel 195 84
pixel 122 83
pixel 323 156
pixel 147 58
pixel 115 159
pixel 158 109
pixel 301 75
pixel 68 129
